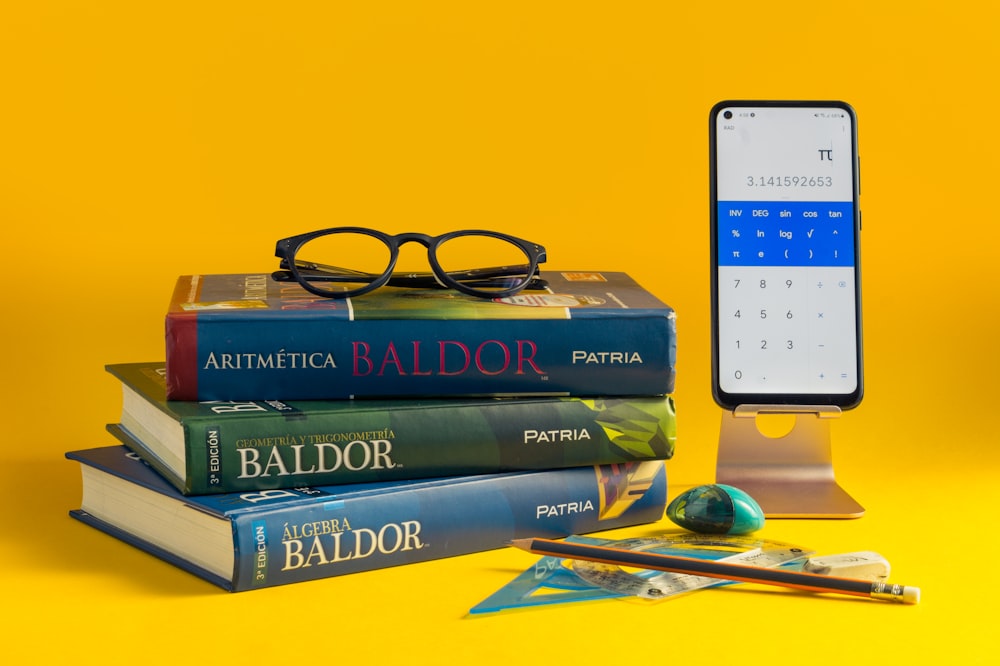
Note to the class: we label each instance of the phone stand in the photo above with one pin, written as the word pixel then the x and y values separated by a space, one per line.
pixel 789 476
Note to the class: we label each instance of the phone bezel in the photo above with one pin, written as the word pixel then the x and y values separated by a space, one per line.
pixel 733 400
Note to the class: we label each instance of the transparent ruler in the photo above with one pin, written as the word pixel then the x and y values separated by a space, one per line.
pixel 660 585
pixel 556 580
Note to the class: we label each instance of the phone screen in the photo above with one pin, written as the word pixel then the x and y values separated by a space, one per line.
pixel 785 253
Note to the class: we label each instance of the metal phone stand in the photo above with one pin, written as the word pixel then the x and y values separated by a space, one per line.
pixel 789 476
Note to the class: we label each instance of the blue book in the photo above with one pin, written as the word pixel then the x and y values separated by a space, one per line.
pixel 243 541
pixel 248 337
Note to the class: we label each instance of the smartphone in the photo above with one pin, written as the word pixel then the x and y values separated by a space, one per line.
pixel 785 247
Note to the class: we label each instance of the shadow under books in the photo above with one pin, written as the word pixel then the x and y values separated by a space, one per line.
pixel 40 494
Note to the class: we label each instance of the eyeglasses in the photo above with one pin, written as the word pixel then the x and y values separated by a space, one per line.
pixel 372 255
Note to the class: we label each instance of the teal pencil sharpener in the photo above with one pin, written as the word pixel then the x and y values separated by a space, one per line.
pixel 716 509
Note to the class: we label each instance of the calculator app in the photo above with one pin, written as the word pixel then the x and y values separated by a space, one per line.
pixel 785 226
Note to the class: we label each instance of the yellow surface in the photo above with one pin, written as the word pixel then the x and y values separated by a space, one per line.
pixel 140 140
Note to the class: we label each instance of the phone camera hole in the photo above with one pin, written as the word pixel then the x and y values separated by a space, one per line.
pixel 727 115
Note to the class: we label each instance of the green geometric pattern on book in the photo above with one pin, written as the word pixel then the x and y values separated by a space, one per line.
pixel 634 430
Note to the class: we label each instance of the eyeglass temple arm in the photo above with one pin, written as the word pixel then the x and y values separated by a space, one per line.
pixel 326 273
pixel 414 281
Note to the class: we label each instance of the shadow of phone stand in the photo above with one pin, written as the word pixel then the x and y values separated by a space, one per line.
pixel 789 476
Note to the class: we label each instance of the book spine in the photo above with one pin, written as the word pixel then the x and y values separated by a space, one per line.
pixel 181 340
pixel 239 451
pixel 313 357
pixel 325 539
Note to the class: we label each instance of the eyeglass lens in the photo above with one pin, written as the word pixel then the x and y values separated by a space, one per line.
pixel 467 252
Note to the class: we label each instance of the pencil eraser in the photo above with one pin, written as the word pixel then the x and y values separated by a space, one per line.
pixel 911 595
pixel 864 565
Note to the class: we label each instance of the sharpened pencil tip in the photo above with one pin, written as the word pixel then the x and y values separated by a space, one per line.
pixel 523 544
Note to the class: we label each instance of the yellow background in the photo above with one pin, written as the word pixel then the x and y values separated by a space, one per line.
pixel 143 140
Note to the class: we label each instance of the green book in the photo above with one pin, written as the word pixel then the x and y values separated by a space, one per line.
pixel 233 446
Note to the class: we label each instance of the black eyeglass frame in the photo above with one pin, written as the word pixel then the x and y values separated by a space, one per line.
pixel 304 273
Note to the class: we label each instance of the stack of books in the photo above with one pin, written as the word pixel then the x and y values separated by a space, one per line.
pixel 289 437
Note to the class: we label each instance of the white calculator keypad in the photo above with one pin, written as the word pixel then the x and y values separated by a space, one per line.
pixel 786 281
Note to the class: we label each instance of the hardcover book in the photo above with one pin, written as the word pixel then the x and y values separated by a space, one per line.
pixel 248 337
pixel 242 541
pixel 228 446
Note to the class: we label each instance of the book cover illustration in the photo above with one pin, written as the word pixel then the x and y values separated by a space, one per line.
pixel 243 541
pixel 247 337
pixel 227 446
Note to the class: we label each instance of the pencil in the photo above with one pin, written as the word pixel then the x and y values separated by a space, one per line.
pixel 799 580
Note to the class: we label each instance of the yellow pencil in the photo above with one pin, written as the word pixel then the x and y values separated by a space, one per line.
pixel 799 580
